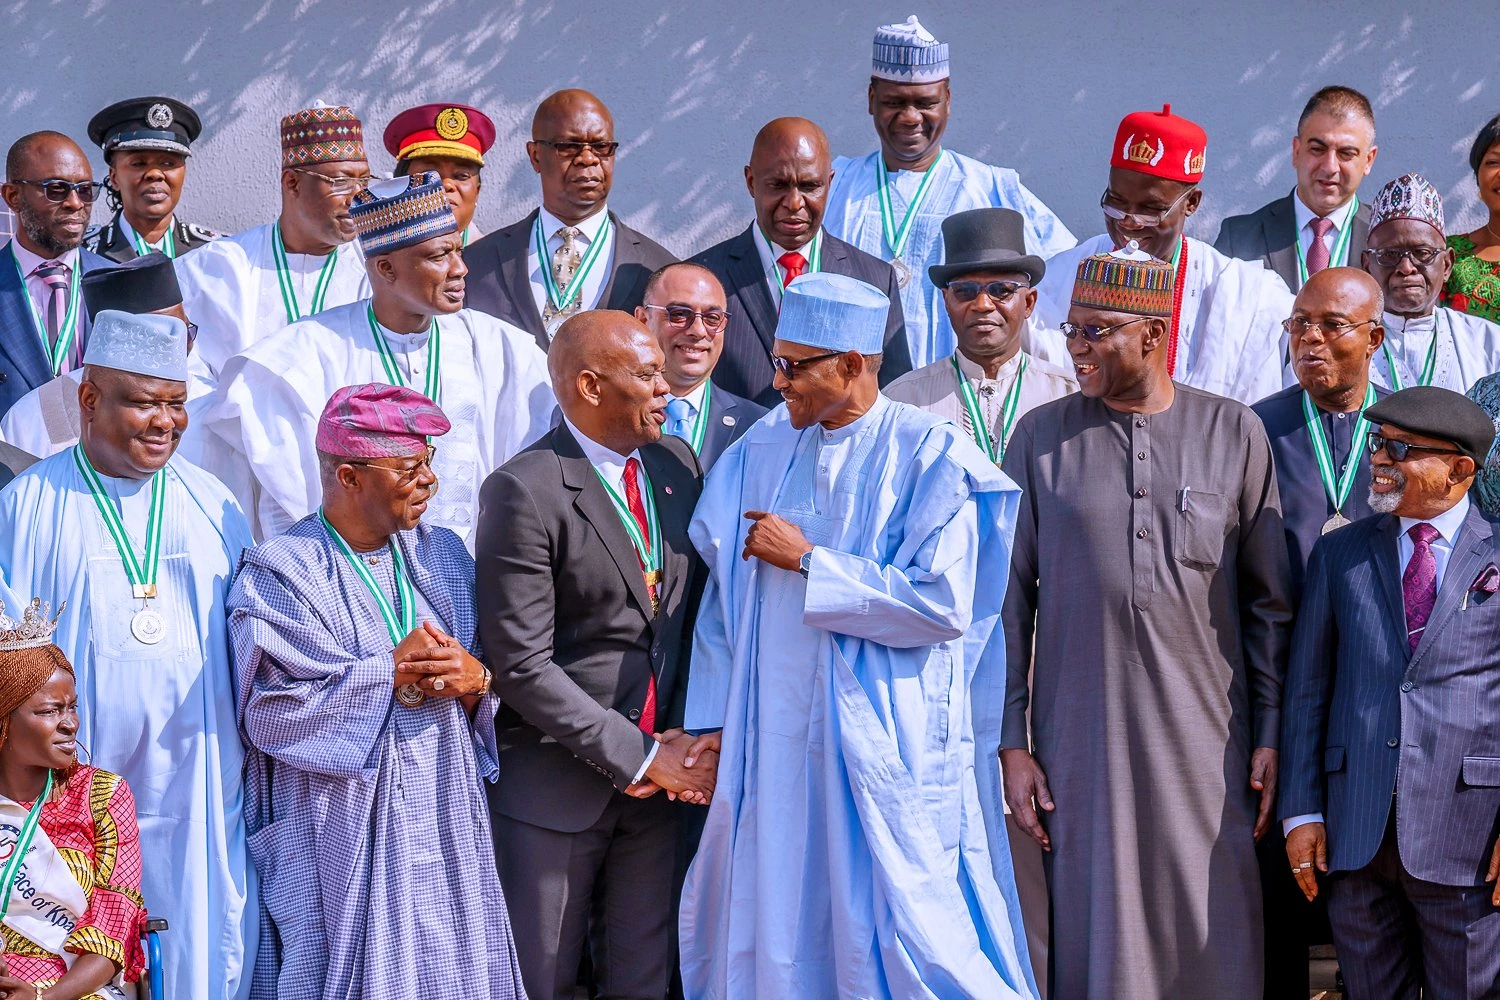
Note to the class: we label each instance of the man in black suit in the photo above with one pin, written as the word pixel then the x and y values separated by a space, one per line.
pixel 1321 223
pixel 685 309
pixel 788 176
pixel 1390 726
pixel 587 587
pixel 589 258
pixel 43 325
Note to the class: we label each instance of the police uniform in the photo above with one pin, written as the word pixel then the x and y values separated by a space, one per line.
pixel 159 123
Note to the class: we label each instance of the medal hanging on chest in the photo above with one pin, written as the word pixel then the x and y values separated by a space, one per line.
pixel 147 625
pixel 897 235
pixel 648 544
pixel 994 450
pixel 1336 487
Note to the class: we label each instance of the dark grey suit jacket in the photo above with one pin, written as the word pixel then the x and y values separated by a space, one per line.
pixel 729 417
pixel 565 621
pixel 1362 717
pixel 745 367
pixel 1269 235
pixel 499 283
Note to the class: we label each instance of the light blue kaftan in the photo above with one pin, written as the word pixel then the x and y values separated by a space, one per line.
pixel 856 844
pixel 960 183
pixel 162 716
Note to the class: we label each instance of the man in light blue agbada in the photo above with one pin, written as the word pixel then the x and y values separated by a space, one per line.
pixel 892 202
pixel 141 546
pixel 848 649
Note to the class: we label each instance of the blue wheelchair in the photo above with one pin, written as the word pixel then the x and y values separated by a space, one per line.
pixel 153 985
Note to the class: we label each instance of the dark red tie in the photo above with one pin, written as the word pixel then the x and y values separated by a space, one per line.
pixel 794 264
pixel 638 511
pixel 1317 253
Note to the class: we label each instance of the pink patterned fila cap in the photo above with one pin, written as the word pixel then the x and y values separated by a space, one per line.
pixel 379 421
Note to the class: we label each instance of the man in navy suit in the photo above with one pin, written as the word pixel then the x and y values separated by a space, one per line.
pixel 789 173
pixel 1391 717
pixel 684 307
pixel 43 325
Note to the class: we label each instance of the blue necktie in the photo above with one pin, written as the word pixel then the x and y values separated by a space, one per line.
pixel 680 418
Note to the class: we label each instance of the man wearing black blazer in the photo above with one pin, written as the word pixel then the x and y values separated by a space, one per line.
pixel 48 241
pixel 686 311
pixel 788 176
pixel 1321 223
pixel 587 586
pixel 1390 779
pixel 572 150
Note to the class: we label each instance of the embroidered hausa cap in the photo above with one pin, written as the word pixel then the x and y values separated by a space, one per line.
pixel 834 312
pixel 379 421
pixel 1410 196
pixel 453 130
pixel 908 53
pixel 153 345
pixel 140 285
pixel 321 134
pixel 1435 412
pixel 1161 144
pixel 401 212
pixel 1127 280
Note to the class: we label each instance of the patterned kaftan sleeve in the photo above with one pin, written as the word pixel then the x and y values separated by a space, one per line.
pixel 112 925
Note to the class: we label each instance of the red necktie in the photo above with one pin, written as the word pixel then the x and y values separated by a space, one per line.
pixel 638 511
pixel 794 264
pixel 1317 253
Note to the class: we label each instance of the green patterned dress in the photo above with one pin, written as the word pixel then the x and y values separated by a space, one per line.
pixel 1474 286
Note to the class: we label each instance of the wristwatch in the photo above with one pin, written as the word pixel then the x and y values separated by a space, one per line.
pixel 804 565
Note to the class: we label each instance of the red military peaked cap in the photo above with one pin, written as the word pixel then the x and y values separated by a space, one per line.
pixel 454 130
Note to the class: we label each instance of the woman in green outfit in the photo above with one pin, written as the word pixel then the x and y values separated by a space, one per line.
pixel 1474 286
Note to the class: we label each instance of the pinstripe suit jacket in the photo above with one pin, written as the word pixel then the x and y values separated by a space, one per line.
pixel 1362 717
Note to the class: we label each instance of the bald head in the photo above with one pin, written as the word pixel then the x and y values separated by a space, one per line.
pixel 47 228
pixel 606 369
pixel 1334 330
pixel 572 150
pixel 562 108
pixel 788 176
pixel 40 151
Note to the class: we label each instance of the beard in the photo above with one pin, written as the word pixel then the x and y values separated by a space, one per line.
pixel 38 234
pixel 1386 503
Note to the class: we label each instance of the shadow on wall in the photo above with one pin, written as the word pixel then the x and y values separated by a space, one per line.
pixel 1039 89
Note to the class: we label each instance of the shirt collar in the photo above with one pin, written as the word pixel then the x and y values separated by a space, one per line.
pixel 610 463
pixel 1339 216
pixel 30 262
pixel 973 371
pixel 588 227
pixel 865 419
pixel 769 251
pixel 1396 326
pixel 128 231
pixel 695 398
pixel 1447 523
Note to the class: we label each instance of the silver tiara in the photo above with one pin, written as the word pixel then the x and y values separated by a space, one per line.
pixel 34 629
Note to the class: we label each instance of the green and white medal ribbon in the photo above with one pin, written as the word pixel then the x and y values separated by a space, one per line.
pixel 1337 487
pixel 897 235
pixel 561 300
pixel 146 625
pixel 388 357
pixel 57 354
pixel 994 449
pixel 812 252
pixel 1429 366
pixel 1340 246
pixel 647 549
pixel 168 242
pixel 398 626
pixel 22 847
pixel 700 422
pixel 284 279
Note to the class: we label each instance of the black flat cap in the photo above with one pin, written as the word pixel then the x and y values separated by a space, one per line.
pixel 1438 413
pixel 145 123
pixel 142 285
pixel 985 239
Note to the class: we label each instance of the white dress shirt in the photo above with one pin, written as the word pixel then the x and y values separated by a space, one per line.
pixel 1448 524
pixel 774 272
pixel 594 281
pixel 131 235
pixel 1339 217
pixel 40 296
pixel 610 465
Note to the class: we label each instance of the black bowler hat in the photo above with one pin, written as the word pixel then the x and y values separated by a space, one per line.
pixel 985 239
pixel 140 285
pixel 1438 413
pixel 145 123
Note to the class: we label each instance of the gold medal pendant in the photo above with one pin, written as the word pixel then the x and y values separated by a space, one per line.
pixel 410 695
pixel 903 273
pixel 1337 521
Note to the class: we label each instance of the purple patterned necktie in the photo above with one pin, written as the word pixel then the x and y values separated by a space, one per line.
pixel 1419 583
pixel 55 275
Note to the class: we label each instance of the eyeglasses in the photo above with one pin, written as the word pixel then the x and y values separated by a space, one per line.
pixel 1398 450
pixel 1139 220
pixel 404 476
pixel 789 368
pixel 1300 326
pixel 337 185
pixel 1093 333
pixel 57 190
pixel 569 150
pixel 1393 256
pixel 682 317
pixel 998 291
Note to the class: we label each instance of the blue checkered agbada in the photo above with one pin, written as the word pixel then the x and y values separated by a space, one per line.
pixel 367 819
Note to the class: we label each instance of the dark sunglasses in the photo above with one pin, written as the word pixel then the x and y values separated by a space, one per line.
pixel 681 317
pixel 1393 256
pixel 57 191
pixel 1398 450
pixel 790 368
pixel 998 291
pixel 1092 333
pixel 572 150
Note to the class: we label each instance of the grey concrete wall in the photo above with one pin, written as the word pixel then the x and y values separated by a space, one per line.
pixel 1039 87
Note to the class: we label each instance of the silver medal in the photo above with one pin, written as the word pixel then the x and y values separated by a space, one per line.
pixel 903 273
pixel 1337 521
pixel 148 627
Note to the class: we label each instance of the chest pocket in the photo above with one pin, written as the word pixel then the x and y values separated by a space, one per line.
pixel 1198 532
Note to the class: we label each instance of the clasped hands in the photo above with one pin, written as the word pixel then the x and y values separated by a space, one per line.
pixel 429 655
pixel 686 767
